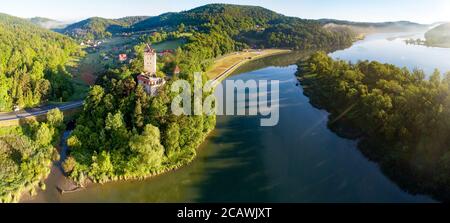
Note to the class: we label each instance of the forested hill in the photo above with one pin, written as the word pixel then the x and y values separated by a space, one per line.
pixel 234 16
pixel 32 63
pixel 253 26
pixel 131 20
pixel 439 36
pixel 99 28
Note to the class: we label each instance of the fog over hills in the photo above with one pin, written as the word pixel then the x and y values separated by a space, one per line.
pixel 48 23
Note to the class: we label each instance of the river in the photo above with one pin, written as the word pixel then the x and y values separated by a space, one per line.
pixel 299 160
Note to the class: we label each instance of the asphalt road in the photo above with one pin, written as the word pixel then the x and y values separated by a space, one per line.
pixel 38 111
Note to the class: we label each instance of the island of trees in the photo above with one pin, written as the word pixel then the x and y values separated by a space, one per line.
pixel 401 118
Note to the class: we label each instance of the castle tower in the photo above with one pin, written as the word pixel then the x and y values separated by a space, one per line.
pixel 149 60
pixel 151 83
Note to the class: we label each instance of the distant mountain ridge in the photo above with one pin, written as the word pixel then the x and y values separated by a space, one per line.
pixel 377 24
pixel 369 27
pixel 246 18
pixel 237 16
pixel 204 14
pixel 253 26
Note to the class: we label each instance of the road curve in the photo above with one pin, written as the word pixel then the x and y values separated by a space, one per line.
pixel 32 112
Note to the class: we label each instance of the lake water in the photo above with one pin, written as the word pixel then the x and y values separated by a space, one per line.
pixel 299 160
pixel 391 48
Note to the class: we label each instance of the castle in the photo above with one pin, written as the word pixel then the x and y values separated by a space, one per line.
pixel 148 79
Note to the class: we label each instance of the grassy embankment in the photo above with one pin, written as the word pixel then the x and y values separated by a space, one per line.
pixel 225 65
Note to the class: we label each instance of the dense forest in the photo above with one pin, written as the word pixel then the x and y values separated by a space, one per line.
pixel 299 34
pixel 236 17
pixel 439 36
pixel 139 137
pixel 33 64
pixel 247 26
pixel 251 26
pixel 26 155
pixel 402 118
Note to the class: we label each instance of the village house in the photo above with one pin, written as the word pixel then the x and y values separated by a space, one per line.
pixel 148 78
pixel 123 57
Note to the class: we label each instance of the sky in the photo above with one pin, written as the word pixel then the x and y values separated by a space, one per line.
pixel 422 11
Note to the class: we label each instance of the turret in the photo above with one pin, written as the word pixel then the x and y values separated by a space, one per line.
pixel 149 60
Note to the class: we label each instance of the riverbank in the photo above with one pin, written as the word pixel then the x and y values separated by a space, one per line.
pixel 398 147
pixel 57 183
pixel 225 65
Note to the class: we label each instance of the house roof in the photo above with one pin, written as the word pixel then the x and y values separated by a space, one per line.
pixel 123 56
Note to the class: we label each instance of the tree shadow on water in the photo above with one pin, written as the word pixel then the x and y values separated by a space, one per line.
pixel 236 173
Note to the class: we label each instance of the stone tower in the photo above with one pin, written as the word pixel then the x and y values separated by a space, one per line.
pixel 149 60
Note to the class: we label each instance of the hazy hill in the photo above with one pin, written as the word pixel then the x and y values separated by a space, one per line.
pixel 32 62
pixel 366 27
pixel 48 23
pixel 439 36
